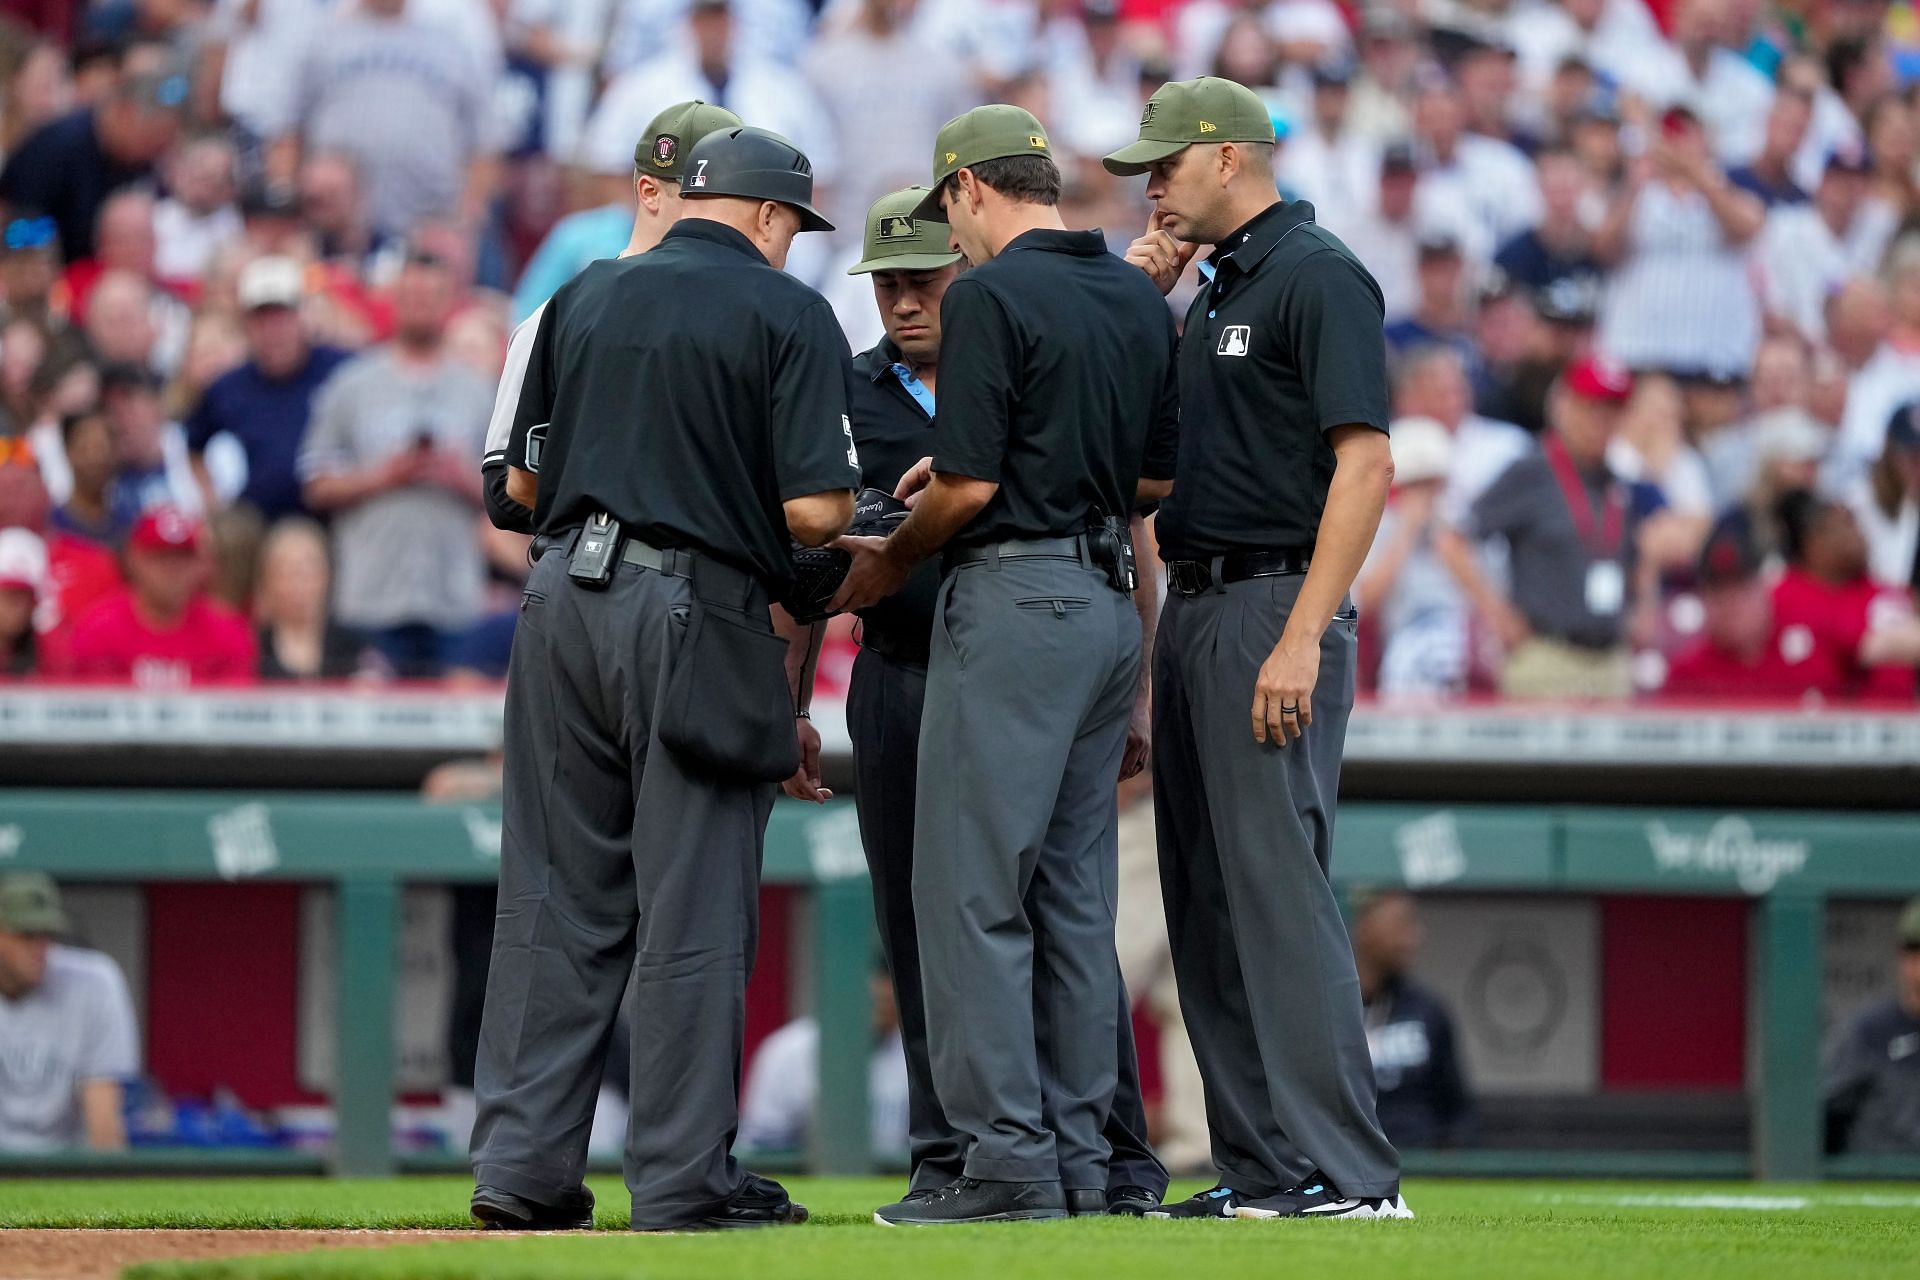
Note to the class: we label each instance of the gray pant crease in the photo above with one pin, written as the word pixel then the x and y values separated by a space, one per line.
pixel 1261 956
pixel 1029 688
pixel 884 704
pixel 620 872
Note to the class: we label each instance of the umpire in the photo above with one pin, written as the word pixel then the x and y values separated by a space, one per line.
pixel 893 399
pixel 1284 470
pixel 659 163
pixel 1056 398
pixel 683 411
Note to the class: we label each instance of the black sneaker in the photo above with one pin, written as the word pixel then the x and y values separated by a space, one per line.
pixel 1318 1198
pixel 760 1202
pixel 1220 1202
pixel 498 1210
pixel 972 1200
pixel 1131 1201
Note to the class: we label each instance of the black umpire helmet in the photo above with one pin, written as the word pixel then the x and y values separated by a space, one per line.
pixel 756 164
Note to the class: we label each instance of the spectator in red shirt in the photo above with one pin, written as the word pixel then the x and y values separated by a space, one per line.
pixel 163 631
pixel 1742 652
pixel 1862 638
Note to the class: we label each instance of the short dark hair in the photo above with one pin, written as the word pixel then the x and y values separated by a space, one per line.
pixel 1260 154
pixel 1022 179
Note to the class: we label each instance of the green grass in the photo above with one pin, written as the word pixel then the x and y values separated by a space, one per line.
pixel 1466 1231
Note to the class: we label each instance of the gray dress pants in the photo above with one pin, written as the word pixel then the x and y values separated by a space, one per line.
pixel 1260 953
pixel 618 866
pixel 1029 687
pixel 884 704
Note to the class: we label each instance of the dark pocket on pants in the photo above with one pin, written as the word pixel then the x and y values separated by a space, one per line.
pixel 727 706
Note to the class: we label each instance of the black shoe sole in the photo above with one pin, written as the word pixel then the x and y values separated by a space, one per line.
pixel 1014 1215
pixel 493 1217
pixel 796 1214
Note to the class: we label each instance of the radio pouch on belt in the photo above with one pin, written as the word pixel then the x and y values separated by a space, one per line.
pixel 1110 546
pixel 595 552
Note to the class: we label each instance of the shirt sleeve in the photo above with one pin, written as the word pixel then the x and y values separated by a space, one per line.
pixel 506 397
pixel 327 448
pixel 813 449
pixel 1163 437
pixel 239 659
pixel 533 407
pixel 26 181
pixel 110 1047
pixel 203 422
pixel 1508 504
pixel 981 355
pixel 1333 315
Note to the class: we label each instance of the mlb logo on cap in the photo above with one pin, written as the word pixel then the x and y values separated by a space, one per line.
pixel 896 228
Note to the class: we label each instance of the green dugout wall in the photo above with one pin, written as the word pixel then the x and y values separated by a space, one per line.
pixel 1785 863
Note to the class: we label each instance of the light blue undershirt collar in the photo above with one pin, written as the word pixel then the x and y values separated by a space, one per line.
pixel 922 394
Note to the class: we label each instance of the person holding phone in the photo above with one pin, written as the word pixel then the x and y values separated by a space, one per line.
pixel 389 457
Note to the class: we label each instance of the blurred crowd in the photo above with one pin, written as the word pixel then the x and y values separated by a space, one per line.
pixel 1657 260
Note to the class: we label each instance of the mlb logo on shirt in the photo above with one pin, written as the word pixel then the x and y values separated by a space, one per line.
pixel 1233 340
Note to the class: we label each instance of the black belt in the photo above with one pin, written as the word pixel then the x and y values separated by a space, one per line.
pixel 1073 548
pixel 673 561
pixel 896 646
pixel 1195 577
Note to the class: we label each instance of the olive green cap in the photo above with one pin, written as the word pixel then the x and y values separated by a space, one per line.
pixel 1910 925
pixel 1183 112
pixel 662 149
pixel 984 133
pixel 896 240
pixel 30 903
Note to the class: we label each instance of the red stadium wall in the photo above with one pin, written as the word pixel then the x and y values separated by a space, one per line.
pixel 211 1029
pixel 222 989
pixel 1673 993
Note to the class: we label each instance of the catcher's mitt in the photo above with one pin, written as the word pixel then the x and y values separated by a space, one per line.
pixel 819 571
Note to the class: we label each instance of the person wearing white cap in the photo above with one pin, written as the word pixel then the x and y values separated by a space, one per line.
pixel 264 404
pixel 1415 602
pixel 23 582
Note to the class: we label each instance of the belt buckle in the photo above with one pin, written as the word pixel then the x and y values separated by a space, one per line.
pixel 1189 577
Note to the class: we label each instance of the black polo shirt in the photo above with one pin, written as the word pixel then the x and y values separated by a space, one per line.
pixel 1283 345
pixel 893 432
pixel 689 391
pixel 1057 383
